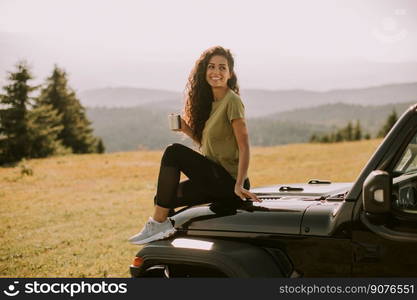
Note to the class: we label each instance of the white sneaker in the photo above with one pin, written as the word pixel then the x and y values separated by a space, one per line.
pixel 153 231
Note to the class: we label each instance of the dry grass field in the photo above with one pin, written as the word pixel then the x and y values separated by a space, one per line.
pixel 73 216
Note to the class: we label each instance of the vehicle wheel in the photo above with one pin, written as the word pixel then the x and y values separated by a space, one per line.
pixel 157 271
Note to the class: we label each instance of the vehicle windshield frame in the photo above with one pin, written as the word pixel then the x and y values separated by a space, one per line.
pixel 408 161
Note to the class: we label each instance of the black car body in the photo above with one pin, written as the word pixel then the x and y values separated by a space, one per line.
pixel 316 229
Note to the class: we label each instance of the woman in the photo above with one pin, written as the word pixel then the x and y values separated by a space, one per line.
pixel 214 119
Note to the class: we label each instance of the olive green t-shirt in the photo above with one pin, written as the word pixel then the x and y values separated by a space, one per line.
pixel 218 141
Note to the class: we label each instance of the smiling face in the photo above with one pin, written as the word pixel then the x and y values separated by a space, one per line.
pixel 218 73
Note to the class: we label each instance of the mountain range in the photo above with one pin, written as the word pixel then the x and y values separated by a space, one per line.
pixel 131 128
pixel 258 103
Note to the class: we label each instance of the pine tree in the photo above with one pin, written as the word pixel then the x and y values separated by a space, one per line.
pixel 332 136
pixel 391 120
pixel 77 132
pixel 100 146
pixel 314 138
pixel 14 106
pixel 338 137
pixel 44 126
pixel 325 139
pixel 357 131
pixel 348 132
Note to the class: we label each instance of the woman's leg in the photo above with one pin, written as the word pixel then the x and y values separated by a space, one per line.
pixel 190 194
pixel 207 180
pixel 212 180
pixel 168 181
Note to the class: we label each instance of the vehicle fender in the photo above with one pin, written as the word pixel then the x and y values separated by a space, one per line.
pixel 235 259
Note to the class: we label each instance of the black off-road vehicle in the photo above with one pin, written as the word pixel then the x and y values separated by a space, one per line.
pixel 318 229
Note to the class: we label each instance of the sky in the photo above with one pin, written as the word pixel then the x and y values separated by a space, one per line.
pixel 297 44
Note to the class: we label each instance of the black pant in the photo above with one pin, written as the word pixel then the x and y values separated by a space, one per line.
pixel 207 182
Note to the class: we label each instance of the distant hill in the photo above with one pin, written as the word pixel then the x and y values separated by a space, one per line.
pixel 261 102
pixel 339 114
pixel 274 117
pixel 268 132
pixel 258 102
pixel 131 128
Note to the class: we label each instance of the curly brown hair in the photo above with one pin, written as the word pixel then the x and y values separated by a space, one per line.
pixel 199 95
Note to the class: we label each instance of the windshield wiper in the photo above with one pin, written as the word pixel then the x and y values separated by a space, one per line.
pixel 410 172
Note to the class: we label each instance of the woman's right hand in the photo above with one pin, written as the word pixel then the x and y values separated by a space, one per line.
pixel 244 194
pixel 187 130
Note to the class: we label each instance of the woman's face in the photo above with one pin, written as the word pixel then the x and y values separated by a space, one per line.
pixel 218 72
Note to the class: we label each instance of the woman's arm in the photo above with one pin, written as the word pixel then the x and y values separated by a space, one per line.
pixel 187 130
pixel 242 137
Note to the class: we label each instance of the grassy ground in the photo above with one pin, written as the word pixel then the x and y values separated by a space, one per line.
pixel 73 216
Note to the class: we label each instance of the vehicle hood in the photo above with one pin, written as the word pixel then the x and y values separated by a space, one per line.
pixel 306 189
pixel 278 213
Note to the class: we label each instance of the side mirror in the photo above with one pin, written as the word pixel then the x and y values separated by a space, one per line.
pixel 376 193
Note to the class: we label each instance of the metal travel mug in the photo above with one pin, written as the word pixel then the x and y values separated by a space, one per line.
pixel 174 121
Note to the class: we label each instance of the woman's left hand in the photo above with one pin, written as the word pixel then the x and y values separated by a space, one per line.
pixel 244 194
